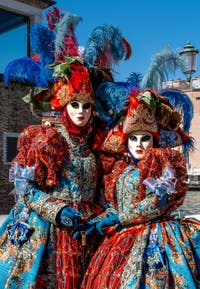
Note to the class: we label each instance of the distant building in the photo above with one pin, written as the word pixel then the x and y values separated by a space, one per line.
pixel 193 90
pixel 15 114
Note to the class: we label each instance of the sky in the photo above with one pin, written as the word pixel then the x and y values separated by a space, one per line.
pixel 148 26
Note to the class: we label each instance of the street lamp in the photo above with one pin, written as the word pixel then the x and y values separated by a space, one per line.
pixel 189 56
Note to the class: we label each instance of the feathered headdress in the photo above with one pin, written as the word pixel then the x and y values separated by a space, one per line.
pixel 152 112
pixel 112 99
pixel 72 74
pixel 70 77
pixel 105 47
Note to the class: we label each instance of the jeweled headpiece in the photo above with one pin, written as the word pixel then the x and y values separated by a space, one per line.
pixel 146 111
pixel 139 117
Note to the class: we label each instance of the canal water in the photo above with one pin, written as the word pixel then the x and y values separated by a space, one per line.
pixel 191 205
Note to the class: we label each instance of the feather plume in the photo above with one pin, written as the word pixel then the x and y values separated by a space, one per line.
pixel 111 100
pixel 105 47
pixel 127 48
pixel 66 42
pixel 24 70
pixel 188 146
pixel 53 16
pixel 182 103
pixel 135 79
pixel 42 43
pixel 163 64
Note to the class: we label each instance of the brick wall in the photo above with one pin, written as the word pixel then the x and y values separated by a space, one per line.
pixel 15 115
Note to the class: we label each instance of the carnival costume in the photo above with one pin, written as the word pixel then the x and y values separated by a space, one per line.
pixel 55 172
pixel 146 244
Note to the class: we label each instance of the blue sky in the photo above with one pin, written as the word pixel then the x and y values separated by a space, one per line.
pixel 147 25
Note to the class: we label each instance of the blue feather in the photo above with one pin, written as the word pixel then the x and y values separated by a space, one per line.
pixel 135 79
pixel 188 146
pixel 182 103
pixel 24 70
pixel 111 99
pixel 42 43
pixel 104 46
pixel 163 64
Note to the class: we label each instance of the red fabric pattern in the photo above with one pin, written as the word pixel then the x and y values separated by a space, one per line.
pixel 153 164
pixel 118 246
pixel 110 180
pixel 68 260
pixel 43 147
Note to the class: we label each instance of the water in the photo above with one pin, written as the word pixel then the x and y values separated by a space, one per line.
pixel 191 205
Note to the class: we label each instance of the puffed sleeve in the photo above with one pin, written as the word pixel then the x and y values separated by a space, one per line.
pixel 41 147
pixel 44 148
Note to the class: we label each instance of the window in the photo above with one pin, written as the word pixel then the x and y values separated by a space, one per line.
pixel 14 43
pixel 9 146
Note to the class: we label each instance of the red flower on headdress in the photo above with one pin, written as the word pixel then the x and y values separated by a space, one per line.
pixel 80 79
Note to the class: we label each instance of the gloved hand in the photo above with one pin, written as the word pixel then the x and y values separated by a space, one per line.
pixel 111 220
pixel 162 195
pixel 68 216
pixel 97 224
pixel 88 228
pixel 160 190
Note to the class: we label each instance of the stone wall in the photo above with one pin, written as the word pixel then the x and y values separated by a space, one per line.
pixel 15 115
pixel 38 3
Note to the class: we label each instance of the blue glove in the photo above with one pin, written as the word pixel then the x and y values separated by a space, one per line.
pixel 97 224
pixel 110 220
pixel 160 191
pixel 68 217
pixel 162 195
pixel 88 228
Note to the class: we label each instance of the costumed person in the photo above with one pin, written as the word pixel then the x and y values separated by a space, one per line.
pixel 147 245
pixel 55 172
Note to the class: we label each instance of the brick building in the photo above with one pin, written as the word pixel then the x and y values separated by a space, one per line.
pixel 15 114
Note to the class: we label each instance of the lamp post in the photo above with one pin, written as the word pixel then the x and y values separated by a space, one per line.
pixel 189 56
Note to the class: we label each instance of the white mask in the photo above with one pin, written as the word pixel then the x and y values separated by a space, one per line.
pixel 79 112
pixel 139 142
